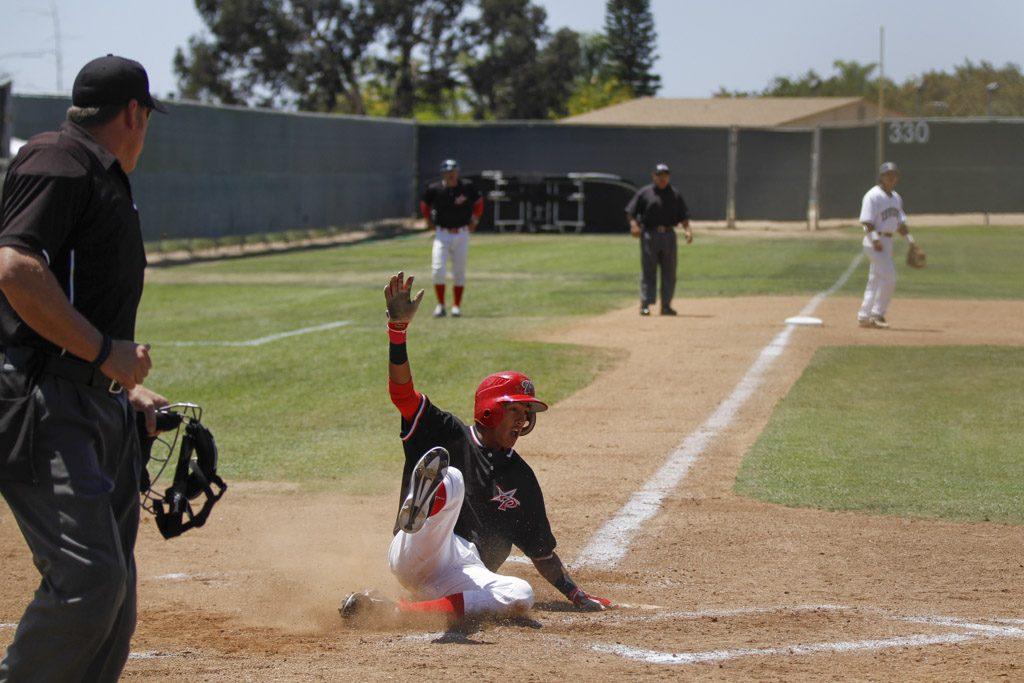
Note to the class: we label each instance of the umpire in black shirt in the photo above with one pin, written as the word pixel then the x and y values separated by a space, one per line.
pixel 71 271
pixel 654 212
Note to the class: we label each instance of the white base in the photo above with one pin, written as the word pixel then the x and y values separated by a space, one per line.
pixel 804 320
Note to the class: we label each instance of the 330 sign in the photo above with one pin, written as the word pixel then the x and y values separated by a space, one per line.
pixel 909 132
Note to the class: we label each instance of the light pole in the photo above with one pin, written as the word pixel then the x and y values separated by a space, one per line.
pixel 990 90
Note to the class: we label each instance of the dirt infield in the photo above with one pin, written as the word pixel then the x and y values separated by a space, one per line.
pixel 719 586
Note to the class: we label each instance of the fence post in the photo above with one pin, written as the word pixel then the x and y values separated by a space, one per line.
pixel 730 187
pixel 812 198
pixel 6 120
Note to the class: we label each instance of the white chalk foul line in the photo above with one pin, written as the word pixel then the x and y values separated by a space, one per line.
pixel 611 542
pixel 150 654
pixel 260 341
pixel 726 613
pixel 656 657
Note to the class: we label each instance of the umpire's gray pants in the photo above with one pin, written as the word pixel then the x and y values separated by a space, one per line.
pixel 657 249
pixel 80 522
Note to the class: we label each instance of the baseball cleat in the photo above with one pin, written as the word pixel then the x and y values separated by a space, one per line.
pixel 439 311
pixel 427 476
pixel 864 322
pixel 668 310
pixel 456 312
pixel 366 604
pixel 644 310
pixel 878 322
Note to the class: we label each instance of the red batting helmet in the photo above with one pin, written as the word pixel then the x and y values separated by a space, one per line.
pixel 505 387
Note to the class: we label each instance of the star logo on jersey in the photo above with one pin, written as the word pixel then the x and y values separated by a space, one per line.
pixel 506 500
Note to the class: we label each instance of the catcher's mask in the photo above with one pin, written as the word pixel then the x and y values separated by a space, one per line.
pixel 501 388
pixel 195 472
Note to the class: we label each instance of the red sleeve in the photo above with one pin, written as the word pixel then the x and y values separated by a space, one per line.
pixel 425 210
pixel 405 398
pixel 478 207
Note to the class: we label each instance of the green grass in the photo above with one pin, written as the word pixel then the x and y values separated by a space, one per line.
pixel 315 408
pixel 924 432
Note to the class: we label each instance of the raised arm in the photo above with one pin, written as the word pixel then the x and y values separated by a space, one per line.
pixel 401 309
pixel 552 569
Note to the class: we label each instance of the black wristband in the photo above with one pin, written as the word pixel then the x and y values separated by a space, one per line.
pixel 398 354
pixel 105 347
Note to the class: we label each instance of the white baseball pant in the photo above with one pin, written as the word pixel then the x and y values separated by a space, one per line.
pixel 435 562
pixel 454 245
pixel 881 281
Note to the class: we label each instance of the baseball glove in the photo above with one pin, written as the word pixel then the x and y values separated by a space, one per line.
pixel 916 257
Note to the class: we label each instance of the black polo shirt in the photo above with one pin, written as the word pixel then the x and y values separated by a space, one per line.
pixel 652 207
pixel 503 505
pixel 451 207
pixel 67 199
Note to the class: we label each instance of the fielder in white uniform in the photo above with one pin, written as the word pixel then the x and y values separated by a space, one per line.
pixel 882 215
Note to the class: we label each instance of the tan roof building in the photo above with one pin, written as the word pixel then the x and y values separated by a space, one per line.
pixel 747 112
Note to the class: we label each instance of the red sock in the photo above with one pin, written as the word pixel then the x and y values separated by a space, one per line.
pixel 439 290
pixel 458 294
pixel 440 498
pixel 449 604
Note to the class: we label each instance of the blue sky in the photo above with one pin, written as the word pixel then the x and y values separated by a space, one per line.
pixel 702 44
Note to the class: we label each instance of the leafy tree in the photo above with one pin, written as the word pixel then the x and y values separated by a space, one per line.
pixel 427 25
pixel 588 96
pixel 280 53
pixel 499 71
pixel 962 92
pixel 426 59
pixel 557 70
pixel 852 79
pixel 629 30
pixel 596 86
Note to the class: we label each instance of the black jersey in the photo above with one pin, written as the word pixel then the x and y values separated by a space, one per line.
pixel 451 207
pixel 653 207
pixel 67 199
pixel 503 505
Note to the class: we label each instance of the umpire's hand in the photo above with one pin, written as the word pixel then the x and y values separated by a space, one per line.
pixel 128 363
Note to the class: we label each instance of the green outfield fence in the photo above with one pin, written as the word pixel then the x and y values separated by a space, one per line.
pixel 211 171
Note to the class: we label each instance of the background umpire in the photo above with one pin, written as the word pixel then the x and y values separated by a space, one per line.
pixel 654 212
pixel 71 270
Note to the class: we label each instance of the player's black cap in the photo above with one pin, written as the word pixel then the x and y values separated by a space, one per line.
pixel 113 80
pixel 449 165
pixel 662 168
pixel 888 167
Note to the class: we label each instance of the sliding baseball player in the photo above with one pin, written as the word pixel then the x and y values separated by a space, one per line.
pixel 468 496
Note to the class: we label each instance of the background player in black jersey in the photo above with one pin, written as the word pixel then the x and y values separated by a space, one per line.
pixel 452 207
pixel 468 496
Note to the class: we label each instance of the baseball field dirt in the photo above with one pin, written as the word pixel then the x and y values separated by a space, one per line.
pixel 716 586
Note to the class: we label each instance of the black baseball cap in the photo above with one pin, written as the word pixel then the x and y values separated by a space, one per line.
pixel 113 80
pixel 449 165
pixel 662 168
